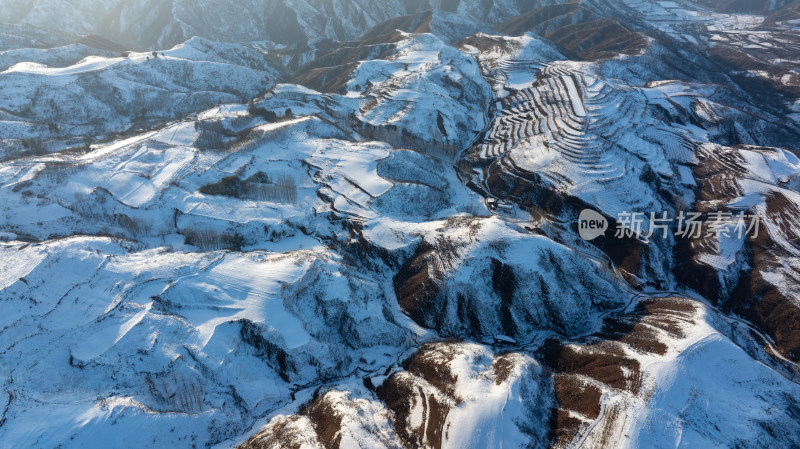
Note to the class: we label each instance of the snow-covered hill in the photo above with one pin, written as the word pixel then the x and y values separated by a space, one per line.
pixel 75 95
pixel 374 242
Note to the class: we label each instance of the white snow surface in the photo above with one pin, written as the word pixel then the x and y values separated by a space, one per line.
pixel 187 285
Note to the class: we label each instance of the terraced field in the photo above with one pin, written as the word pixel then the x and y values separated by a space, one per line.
pixel 577 132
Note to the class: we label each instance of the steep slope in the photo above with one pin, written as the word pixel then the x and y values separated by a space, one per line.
pixel 655 377
pixel 447 395
pixel 668 360
pixel 13 37
pixel 578 29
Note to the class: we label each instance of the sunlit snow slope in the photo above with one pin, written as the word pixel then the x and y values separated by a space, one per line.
pixel 373 242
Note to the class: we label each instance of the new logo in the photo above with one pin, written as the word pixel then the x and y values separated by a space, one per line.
pixel 591 224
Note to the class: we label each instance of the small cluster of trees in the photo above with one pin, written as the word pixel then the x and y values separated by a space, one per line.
pixel 282 190
pixel 213 135
pixel 259 187
pixel 181 393
pixel 255 137
pixel 267 114
pixel 33 147
pixel 208 239
pixel 134 226
pixel 58 172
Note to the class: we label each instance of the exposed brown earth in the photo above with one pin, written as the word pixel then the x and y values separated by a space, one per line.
pixel 333 64
pixel 286 434
pixel 764 304
pixel 101 43
pixel 578 30
pixel 426 381
pixel 530 192
pixel 429 381
pixel 416 23
pixel 416 290
pixel 583 370
pixel 326 422
pixel 761 302
pixel 331 71
pixel 789 12
pixel 716 175
pixel 320 416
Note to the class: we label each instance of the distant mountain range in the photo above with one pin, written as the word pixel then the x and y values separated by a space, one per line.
pixel 149 24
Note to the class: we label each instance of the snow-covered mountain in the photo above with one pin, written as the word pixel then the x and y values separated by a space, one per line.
pixel 73 95
pixel 147 24
pixel 339 224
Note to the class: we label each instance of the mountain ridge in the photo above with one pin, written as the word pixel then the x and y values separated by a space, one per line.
pixel 367 235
